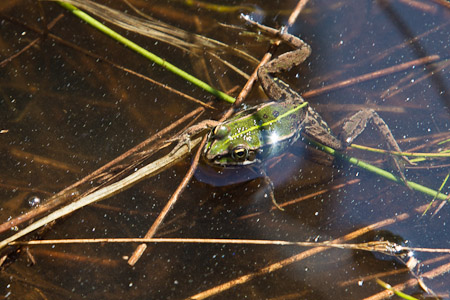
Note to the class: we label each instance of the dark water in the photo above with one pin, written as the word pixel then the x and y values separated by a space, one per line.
pixel 68 114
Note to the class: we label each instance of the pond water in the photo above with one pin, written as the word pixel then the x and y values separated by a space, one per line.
pixel 66 113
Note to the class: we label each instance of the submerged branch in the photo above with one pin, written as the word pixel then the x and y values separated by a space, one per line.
pixel 108 191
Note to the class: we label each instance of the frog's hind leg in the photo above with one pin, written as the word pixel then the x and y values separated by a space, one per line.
pixel 356 124
pixel 282 34
pixel 274 87
pixel 286 61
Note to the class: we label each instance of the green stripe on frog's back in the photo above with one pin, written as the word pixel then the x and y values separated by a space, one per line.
pixel 276 120
pixel 265 129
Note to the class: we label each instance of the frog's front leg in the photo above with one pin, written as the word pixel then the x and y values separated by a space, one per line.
pixel 270 188
pixel 185 137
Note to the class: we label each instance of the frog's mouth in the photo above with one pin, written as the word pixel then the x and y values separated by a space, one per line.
pixel 226 161
pixel 234 156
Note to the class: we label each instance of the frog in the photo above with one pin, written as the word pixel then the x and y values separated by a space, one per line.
pixel 252 136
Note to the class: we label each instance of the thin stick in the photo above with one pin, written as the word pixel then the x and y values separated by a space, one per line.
pixel 293 17
pixel 293 259
pixel 248 85
pixel 371 76
pixel 15 55
pixel 151 232
pixel 106 192
pixel 379 246
pixel 31 44
pixel 411 282
pixel 68 191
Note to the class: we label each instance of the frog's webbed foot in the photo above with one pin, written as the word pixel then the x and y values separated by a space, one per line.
pixel 282 34
pixel 185 137
pixel 287 60
pixel 356 124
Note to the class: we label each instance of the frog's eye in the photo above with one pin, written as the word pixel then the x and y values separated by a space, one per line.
pixel 239 153
pixel 221 131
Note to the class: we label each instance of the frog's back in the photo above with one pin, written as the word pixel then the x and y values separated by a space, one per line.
pixel 269 124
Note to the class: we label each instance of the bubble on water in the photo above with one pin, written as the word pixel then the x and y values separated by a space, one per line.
pixel 34 201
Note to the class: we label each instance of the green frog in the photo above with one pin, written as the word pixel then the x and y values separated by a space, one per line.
pixel 253 135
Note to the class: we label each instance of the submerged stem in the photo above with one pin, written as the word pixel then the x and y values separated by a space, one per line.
pixel 156 59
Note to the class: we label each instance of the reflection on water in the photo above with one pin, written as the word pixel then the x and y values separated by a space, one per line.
pixel 66 114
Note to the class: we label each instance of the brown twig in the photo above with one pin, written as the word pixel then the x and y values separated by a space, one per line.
pixel 151 232
pixel 372 246
pixel 303 198
pixel 100 58
pixel 371 76
pixel 442 2
pixel 31 44
pixel 249 84
pixel 296 12
pixel 411 282
pixel 66 193
pixel 140 174
pixel 293 259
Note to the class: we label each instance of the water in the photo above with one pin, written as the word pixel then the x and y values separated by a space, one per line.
pixel 68 114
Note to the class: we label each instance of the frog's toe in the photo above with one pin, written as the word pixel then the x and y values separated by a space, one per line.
pixel 183 140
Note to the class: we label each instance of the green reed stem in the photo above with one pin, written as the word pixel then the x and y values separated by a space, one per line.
pixel 366 166
pixel 156 59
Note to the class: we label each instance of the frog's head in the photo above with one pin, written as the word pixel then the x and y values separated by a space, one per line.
pixel 228 151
